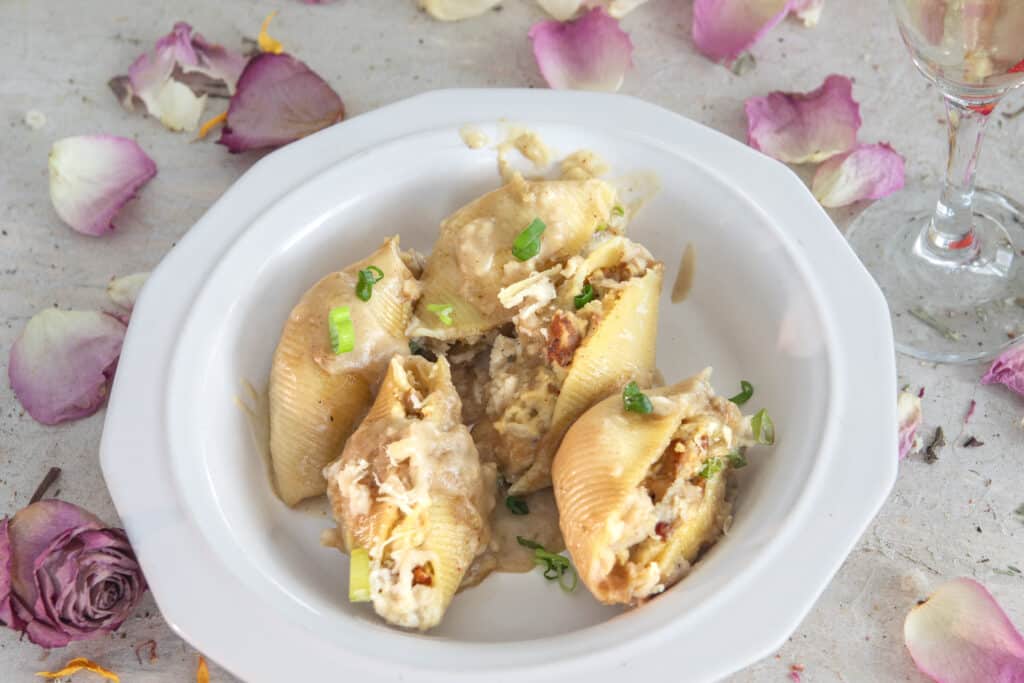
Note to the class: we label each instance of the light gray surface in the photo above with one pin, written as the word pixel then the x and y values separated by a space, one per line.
pixel 942 520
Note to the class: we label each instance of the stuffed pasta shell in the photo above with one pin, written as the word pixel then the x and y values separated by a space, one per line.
pixel 641 495
pixel 499 239
pixel 332 353
pixel 581 332
pixel 409 493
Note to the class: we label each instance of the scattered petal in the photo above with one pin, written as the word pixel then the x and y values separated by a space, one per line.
pixel 172 81
pixel 35 119
pixel 454 10
pixel 205 129
pixel 867 172
pixel 123 291
pixel 202 672
pixel 724 29
pixel 93 176
pixel 961 635
pixel 909 409
pixel 805 127
pixel 589 53
pixel 61 366
pixel 564 10
pixel 279 100
pixel 808 11
pixel 265 41
pixel 620 8
pixel 80 664
pixel 1008 369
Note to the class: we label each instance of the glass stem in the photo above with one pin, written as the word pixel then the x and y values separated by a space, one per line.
pixel 951 233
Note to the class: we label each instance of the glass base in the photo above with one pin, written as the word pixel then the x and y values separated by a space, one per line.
pixel 951 312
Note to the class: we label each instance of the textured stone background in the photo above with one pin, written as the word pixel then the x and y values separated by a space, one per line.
pixel 941 521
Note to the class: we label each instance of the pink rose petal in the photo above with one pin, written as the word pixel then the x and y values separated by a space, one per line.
pixel 62 364
pixel 724 29
pixel 124 290
pixel 867 172
pixel 279 100
pixel 564 10
pixel 7 615
pixel 589 53
pixel 961 635
pixel 808 11
pixel 93 176
pixel 1008 369
pixel 909 408
pixel 456 10
pixel 805 127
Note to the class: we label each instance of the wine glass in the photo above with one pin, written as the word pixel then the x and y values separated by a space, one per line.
pixel 953 270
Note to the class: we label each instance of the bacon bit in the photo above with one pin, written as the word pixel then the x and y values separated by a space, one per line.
pixel 151 644
pixel 563 338
pixel 661 528
pixel 265 41
pixel 78 664
pixel 920 394
pixel 202 673
pixel 970 411
pixel 421 577
pixel 205 129
pixel 1019 68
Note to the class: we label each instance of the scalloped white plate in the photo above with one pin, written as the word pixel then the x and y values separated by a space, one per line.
pixel 778 299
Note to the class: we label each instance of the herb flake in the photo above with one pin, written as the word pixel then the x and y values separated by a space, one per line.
pixel 635 401
pixel 517 505
pixel 368 277
pixel 711 467
pixel 763 427
pixel 556 567
pixel 737 458
pixel 444 312
pixel 527 243
pixel 746 392
pixel 341 330
pixel 585 296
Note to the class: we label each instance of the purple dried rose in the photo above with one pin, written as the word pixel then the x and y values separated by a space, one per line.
pixel 64 575
pixel 1008 369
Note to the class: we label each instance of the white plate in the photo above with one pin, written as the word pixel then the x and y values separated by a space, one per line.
pixel 778 299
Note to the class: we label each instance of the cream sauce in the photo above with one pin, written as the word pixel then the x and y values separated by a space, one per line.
pixel 687 270
pixel 635 190
pixel 582 165
pixel 529 145
pixel 473 137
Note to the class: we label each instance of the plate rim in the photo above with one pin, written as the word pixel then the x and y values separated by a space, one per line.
pixel 233 214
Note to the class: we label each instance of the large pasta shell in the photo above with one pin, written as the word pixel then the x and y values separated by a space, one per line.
pixel 409 487
pixel 620 348
pixel 317 397
pixel 472 258
pixel 605 511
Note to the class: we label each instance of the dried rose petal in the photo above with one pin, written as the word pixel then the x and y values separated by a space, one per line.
pixel 724 29
pixel 589 53
pixel 124 290
pixel 961 635
pixel 279 100
pixel 93 176
pixel 80 664
pixel 805 127
pixel 1008 369
pixel 808 11
pixel 867 172
pixel 61 366
pixel 454 10
pixel 564 10
pixel 909 408
pixel 171 82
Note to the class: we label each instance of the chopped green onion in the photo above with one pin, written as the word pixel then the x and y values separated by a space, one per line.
pixel 737 458
pixel 343 334
pixel 527 243
pixel 763 427
pixel 517 505
pixel 367 278
pixel 617 210
pixel 442 311
pixel 712 466
pixel 636 401
pixel 601 228
pixel 746 391
pixel 585 296
pixel 359 576
pixel 555 566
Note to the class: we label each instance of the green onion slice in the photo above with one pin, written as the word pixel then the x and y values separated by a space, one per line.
pixel 555 566
pixel 617 210
pixel 517 505
pixel 343 334
pixel 746 392
pixel 712 466
pixel 527 243
pixel 737 458
pixel 636 401
pixel 442 311
pixel 367 278
pixel 359 576
pixel 763 427
pixel 585 296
